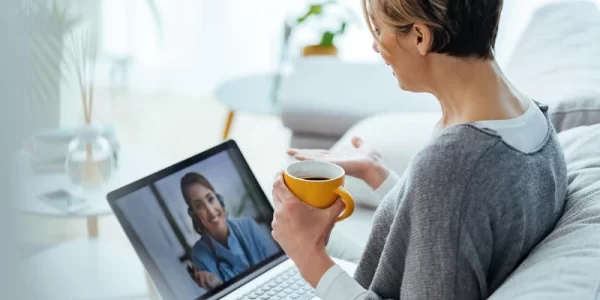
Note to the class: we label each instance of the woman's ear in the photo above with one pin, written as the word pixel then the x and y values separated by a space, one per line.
pixel 422 38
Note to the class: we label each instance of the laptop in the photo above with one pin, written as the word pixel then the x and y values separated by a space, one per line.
pixel 202 230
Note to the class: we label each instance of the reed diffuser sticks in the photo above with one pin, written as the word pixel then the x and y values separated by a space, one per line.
pixel 84 53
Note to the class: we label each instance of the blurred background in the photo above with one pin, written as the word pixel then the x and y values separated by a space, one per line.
pixel 146 83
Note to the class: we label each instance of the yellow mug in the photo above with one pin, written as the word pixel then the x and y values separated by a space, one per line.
pixel 319 184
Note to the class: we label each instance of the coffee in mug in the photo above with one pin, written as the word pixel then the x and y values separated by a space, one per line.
pixel 316 178
pixel 318 184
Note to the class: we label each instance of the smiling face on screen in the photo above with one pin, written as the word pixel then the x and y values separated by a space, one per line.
pixel 208 209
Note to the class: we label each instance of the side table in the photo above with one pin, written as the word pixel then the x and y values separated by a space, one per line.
pixel 249 94
pixel 134 162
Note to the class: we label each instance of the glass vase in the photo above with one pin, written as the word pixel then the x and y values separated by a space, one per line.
pixel 90 162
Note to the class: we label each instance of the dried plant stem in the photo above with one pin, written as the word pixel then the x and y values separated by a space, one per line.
pixel 77 57
pixel 84 54
pixel 93 77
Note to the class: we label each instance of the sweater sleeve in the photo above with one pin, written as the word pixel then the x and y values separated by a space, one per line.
pixel 438 240
pixel 447 241
pixel 441 278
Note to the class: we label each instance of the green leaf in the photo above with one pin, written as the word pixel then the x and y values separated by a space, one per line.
pixel 327 39
pixel 314 10
pixel 342 28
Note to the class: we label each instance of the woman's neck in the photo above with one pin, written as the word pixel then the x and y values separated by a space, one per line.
pixel 222 237
pixel 474 90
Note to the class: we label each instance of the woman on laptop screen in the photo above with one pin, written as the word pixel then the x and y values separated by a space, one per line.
pixel 227 246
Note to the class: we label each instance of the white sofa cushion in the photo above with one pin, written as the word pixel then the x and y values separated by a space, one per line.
pixel 566 265
pixel 557 62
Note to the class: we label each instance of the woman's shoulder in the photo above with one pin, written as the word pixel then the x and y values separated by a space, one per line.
pixel 199 245
pixel 455 147
pixel 463 137
pixel 461 152
pixel 441 172
pixel 200 251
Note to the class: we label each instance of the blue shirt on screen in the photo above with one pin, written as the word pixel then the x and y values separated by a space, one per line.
pixel 249 244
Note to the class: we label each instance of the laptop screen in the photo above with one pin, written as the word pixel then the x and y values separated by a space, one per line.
pixel 199 226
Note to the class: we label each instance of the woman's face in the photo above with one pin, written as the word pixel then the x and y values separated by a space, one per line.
pixel 403 53
pixel 208 209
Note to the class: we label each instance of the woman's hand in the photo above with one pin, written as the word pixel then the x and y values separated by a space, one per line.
pixel 303 231
pixel 365 164
pixel 206 280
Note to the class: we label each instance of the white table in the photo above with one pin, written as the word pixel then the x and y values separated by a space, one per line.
pixel 86 269
pixel 134 162
pixel 255 94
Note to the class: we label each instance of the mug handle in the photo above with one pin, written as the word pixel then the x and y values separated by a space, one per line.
pixel 348 201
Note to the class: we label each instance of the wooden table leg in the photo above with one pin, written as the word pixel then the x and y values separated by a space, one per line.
pixel 92 226
pixel 228 123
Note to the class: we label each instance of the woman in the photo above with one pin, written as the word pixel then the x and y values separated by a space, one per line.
pixel 227 247
pixel 476 199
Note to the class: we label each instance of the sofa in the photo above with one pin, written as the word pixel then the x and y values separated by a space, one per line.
pixel 557 62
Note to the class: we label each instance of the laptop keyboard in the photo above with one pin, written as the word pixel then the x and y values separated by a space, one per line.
pixel 285 285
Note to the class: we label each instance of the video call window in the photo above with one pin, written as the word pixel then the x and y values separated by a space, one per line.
pixel 202 226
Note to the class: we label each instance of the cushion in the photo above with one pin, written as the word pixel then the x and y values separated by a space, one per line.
pixel 566 264
pixel 557 62
pixel 327 96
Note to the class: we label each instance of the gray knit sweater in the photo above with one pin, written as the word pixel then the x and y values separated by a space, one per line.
pixel 466 212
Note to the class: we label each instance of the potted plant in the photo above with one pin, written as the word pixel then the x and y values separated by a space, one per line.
pixel 332 12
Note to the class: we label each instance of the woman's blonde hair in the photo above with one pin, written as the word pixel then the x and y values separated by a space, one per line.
pixel 462 28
